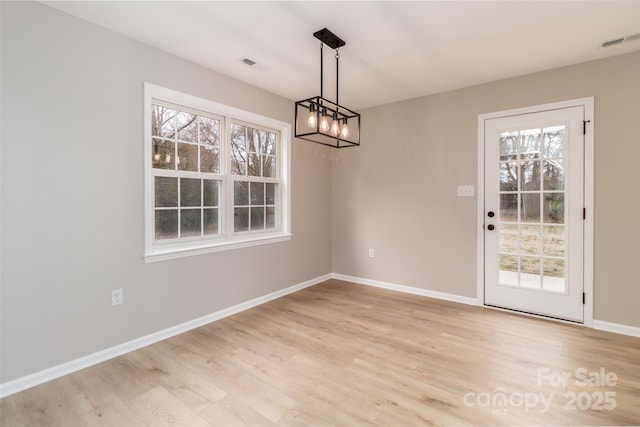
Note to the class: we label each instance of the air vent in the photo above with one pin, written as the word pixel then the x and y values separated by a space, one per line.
pixel 248 61
pixel 620 40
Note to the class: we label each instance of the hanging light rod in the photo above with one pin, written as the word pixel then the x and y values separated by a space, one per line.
pixel 320 120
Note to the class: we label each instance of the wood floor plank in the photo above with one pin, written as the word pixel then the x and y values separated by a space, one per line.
pixel 340 354
pixel 158 407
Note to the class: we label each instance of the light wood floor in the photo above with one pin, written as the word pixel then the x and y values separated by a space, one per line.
pixel 342 354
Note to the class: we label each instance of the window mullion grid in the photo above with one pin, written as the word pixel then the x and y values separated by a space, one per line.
pixel 229 205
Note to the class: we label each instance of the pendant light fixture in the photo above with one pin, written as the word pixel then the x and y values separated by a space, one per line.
pixel 322 121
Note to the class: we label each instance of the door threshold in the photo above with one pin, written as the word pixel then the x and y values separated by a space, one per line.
pixel 536 315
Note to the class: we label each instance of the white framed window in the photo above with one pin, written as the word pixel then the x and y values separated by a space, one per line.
pixel 216 177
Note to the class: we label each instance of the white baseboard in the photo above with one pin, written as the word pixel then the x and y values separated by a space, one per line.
pixel 617 328
pixel 66 368
pixel 406 289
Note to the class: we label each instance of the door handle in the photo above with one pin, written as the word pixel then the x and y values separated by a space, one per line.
pixel 491 227
pixel 491 214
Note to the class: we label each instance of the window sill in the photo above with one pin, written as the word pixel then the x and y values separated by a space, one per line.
pixel 163 254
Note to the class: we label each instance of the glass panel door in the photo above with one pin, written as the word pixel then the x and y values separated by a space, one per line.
pixel 534 166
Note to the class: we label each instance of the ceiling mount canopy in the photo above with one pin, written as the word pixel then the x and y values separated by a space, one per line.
pixel 323 121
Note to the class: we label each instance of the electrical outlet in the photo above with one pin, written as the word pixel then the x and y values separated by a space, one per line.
pixel 117 297
pixel 372 253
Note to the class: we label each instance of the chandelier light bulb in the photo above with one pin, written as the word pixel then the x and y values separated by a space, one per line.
pixel 167 158
pixel 335 126
pixel 324 122
pixel 156 157
pixel 344 133
pixel 311 121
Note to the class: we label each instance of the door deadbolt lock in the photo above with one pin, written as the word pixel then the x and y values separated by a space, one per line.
pixel 491 214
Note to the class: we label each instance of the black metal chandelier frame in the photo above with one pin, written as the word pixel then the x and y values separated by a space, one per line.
pixel 328 123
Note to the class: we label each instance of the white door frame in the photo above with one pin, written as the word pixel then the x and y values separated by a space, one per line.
pixel 588 104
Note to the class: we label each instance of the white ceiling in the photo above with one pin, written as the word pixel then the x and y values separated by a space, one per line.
pixel 394 51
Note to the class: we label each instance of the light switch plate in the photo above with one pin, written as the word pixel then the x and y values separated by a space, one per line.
pixel 465 190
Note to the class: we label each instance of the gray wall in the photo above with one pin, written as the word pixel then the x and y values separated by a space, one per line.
pixel 397 192
pixel 72 196
pixel 72 191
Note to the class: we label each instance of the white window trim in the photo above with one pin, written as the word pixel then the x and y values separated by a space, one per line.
pixel 159 252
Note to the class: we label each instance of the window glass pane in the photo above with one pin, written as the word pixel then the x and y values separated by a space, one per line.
pixel 210 219
pixel 210 192
pixel 269 166
pixel 187 125
pixel 554 208
pixel 190 223
pixel 509 176
pixel 257 193
pixel 166 224
pixel 530 174
pixel 238 162
pixel 530 207
pixel 241 219
pixel 209 159
pixel 270 194
pixel 554 141
pixel 190 192
pixel 257 218
pixel 553 174
pixel 163 122
pixel 166 191
pixel 271 217
pixel 209 131
pixel 254 165
pixel 508 207
pixel 163 154
pixel 553 240
pixel 187 157
pixel 241 193
pixel 238 137
pixel 256 137
pixel 508 145
pixel 269 148
pixel 530 239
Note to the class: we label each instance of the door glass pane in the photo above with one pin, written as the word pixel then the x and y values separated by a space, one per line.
pixel 508 207
pixel 530 143
pixel 508 270
pixel 553 270
pixel 508 176
pixel 553 141
pixel 531 230
pixel 530 272
pixel 508 145
pixel 553 174
pixel 530 207
pixel 530 239
pixel 509 238
pixel 530 175
pixel 554 208
pixel 553 240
